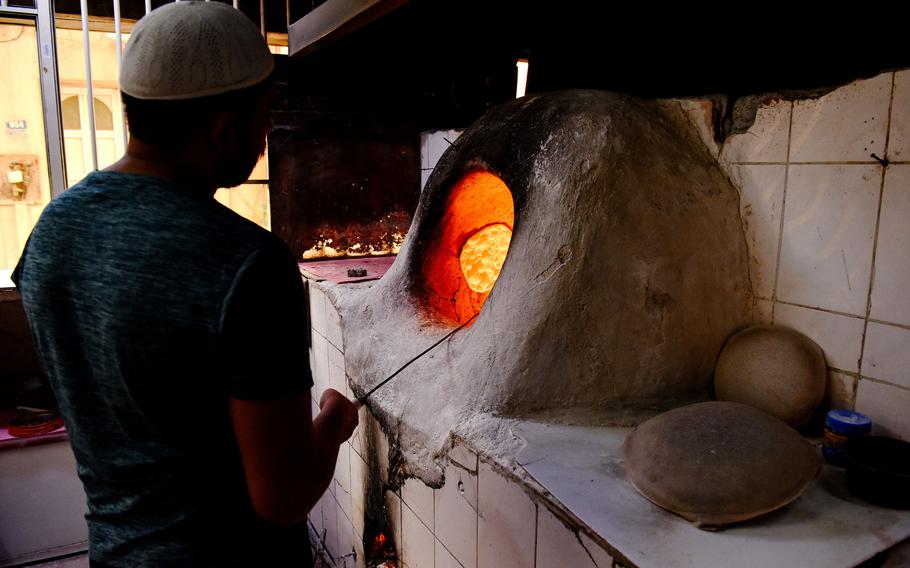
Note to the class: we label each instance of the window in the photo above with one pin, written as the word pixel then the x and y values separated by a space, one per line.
pixel 77 134
pixel 30 173
pixel 24 178
pixel 250 200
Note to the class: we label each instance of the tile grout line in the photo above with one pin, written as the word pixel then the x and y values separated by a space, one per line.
pixel 837 313
pixel 878 217
pixel 883 382
pixel 477 514
pixel 433 532
pixel 856 375
pixel 890 323
pixel 783 207
pixel 819 309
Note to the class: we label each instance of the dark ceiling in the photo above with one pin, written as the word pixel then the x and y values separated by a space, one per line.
pixel 445 62
pixel 448 61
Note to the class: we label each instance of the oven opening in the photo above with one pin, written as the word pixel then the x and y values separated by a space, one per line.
pixel 470 246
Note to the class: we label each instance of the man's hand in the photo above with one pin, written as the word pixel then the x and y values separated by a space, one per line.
pixel 337 417
pixel 288 458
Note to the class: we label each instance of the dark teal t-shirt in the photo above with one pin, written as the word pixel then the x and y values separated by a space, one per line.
pixel 150 306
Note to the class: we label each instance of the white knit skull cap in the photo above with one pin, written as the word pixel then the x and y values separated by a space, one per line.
pixel 188 50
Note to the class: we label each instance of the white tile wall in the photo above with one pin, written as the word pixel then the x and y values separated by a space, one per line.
pixel 343 480
pixel 330 514
pixel 766 141
pixel 846 125
pixel 455 515
pixel 829 230
pixel 444 558
pixel 336 357
pixel 359 559
pixel 320 369
pixel 761 202
pixel 393 508
pixel 345 556
pixel 317 308
pixel 439 141
pixel 843 236
pixel 890 300
pixel 841 392
pixel 432 146
pixel 357 438
pixel 558 546
pixel 337 379
pixel 899 140
pixel 506 522
pixel 417 542
pixel 886 405
pixel 464 457
pixel 332 325
pixel 316 518
pixel 425 151
pixel 602 558
pixel 887 355
pixel 419 497
pixel 359 485
pixel 840 337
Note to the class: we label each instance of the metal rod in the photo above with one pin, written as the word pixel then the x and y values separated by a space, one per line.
pixel 148 6
pixel 17 11
pixel 3 3
pixel 363 398
pixel 262 19
pixel 86 49
pixel 118 33
pixel 236 4
pixel 287 12
pixel 50 93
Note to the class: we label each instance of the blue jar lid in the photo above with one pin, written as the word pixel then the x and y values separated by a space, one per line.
pixel 848 422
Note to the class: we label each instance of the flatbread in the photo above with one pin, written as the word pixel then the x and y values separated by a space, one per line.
pixel 775 369
pixel 716 463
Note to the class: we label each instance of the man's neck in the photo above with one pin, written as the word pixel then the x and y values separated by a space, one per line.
pixel 179 166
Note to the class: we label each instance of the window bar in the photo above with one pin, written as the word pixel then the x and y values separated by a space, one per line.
pixel 262 19
pixel 119 34
pixel 50 93
pixel 83 7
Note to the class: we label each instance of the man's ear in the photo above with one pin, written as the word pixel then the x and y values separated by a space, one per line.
pixel 220 131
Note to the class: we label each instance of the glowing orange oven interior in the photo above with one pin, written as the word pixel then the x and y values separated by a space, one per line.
pixel 471 243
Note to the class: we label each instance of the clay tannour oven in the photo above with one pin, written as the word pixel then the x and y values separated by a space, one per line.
pixel 623 271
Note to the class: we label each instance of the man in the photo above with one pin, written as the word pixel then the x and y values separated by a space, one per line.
pixel 173 331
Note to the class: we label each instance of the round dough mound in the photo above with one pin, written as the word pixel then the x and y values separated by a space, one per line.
pixel 716 463
pixel 775 369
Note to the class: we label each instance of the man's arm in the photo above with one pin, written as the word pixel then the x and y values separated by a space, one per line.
pixel 288 458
